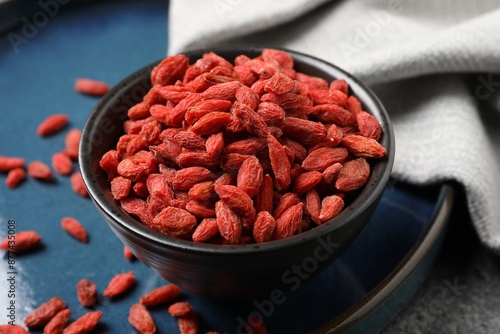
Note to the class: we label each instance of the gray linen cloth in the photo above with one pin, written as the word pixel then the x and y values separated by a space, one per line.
pixel 432 64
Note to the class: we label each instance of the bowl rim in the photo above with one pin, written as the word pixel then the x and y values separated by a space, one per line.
pixel 369 195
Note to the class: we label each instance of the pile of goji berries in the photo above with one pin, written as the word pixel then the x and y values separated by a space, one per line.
pixel 240 152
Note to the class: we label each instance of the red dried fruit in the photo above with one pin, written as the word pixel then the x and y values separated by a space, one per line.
pixel 332 113
pixel 331 172
pixel 288 223
pixel 306 181
pixel 43 313
pixel 313 205
pixel 84 324
pixel 363 147
pixel 174 221
pixel 9 163
pixel 137 207
pixel 109 162
pixel 250 119
pixel 250 176
pixel 354 106
pixel 312 81
pixel 223 91
pixel 285 202
pixel 353 175
pixel 119 284
pixel 40 170
pixel 245 95
pixel 368 125
pixel 86 292
pixel 169 70
pixel 236 199
pixel 214 145
pixel 205 230
pixel 201 209
pixel 264 199
pixel 120 187
pixel 188 324
pixel 324 157
pixel 282 58
pixel 162 295
pixel 330 207
pixel 255 324
pixel 74 228
pixel 127 253
pixel 202 191
pixel 62 163
pixel 52 124
pixel 189 140
pixel 341 85
pixel 210 123
pixel 303 131
pixel 91 86
pixel 12 329
pixel 279 163
pixel 250 146
pixel 263 227
pixel 24 241
pixel 15 177
pixel 140 318
pixel 187 177
pixel 228 222
pixel 279 84
pixel 57 323
pixel 78 185
pixel 196 159
pixel 180 309
pixel 205 107
pixel 271 113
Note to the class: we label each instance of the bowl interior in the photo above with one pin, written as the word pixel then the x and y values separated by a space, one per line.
pixel 105 126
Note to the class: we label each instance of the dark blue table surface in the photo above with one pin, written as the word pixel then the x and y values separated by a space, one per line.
pixel 107 41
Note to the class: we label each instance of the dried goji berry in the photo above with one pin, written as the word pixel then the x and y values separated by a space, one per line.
pixel 162 295
pixel 44 312
pixel 250 176
pixel 74 228
pixel 140 318
pixel 57 323
pixel 263 227
pixel 78 185
pixel 91 86
pixel 353 175
pixel 12 329
pixel 330 207
pixel 288 223
pixel 323 157
pixel 363 146
pixel 228 222
pixel 174 221
pixel 205 230
pixel 84 324
pixel 23 241
pixel 119 284
pixel 62 163
pixel 180 309
pixel 86 292
pixel 14 177
pixel 8 163
pixel 237 199
pixel 52 124
pixel 279 163
pixel 39 170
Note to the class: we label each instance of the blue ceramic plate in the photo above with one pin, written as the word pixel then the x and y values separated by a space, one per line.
pixel 361 292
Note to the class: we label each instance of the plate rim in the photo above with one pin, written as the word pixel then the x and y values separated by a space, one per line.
pixel 389 286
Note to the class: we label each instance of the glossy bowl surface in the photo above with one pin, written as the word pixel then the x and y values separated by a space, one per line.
pixel 230 271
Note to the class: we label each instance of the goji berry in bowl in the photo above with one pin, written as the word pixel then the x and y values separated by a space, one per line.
pixel 237 171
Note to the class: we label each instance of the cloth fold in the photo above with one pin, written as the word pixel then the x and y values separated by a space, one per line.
pixel 432 64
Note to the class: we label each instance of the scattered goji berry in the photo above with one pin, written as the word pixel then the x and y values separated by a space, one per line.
pixel 44 313
pixel 84 324
pixel 62 163
pixel 22 242
pixel 119 284
pixel 180 309
pixel 91 86
pixel 140 318
pixel 74 228
pixel 78 185
pixel 39 170
pixel 86 292
pixel 14 177
pixel 8 163
pixel 162 295
pixel 57 323
pixel 52 124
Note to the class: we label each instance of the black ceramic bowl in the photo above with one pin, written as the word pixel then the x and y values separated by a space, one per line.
pixel 230 271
